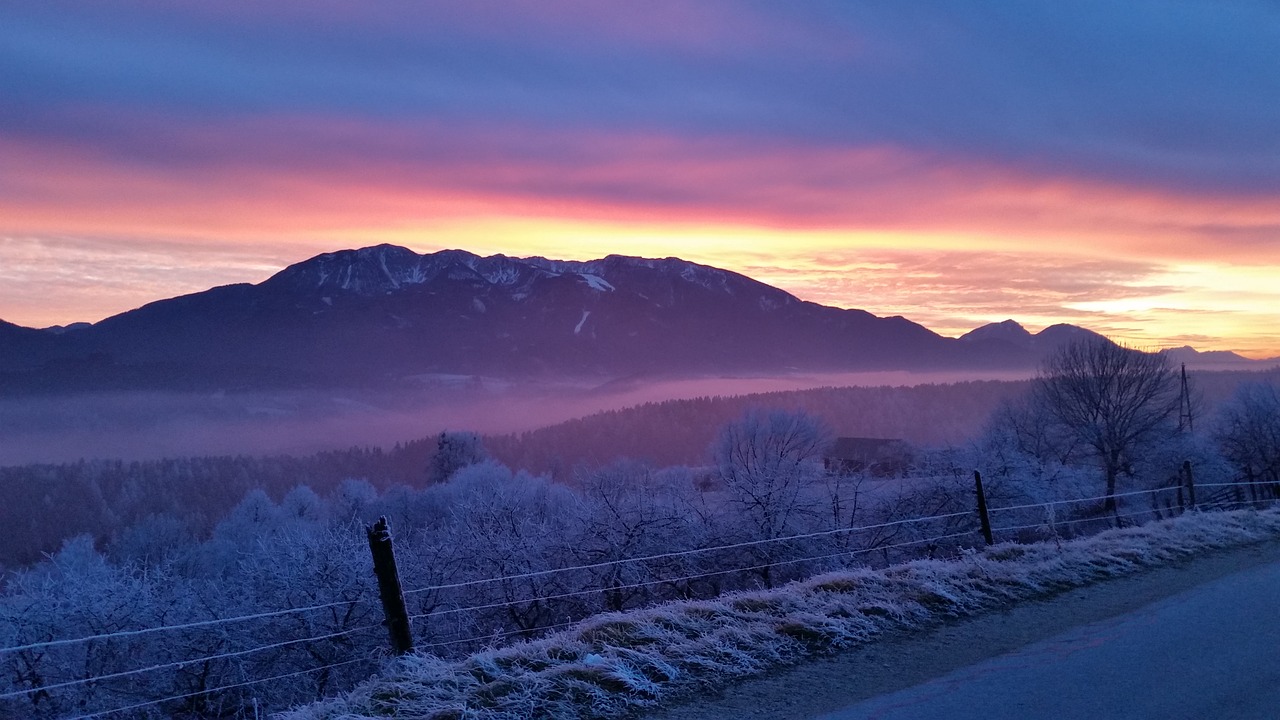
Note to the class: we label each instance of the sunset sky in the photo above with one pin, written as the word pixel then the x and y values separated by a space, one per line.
pixel 1114 165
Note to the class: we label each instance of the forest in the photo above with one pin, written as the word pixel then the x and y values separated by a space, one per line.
pixel 48 503
pixel 174 588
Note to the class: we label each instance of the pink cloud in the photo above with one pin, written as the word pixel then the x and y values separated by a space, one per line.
pixel 307 174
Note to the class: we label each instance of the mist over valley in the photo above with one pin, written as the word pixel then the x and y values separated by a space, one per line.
pixel 383 345
pixel 550 441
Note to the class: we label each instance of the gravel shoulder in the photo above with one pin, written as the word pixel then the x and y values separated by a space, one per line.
pixel 904 659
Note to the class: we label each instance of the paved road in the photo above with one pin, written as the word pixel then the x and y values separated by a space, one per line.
pixel 1211 652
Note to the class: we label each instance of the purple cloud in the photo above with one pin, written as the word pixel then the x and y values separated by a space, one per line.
pixel 1141 93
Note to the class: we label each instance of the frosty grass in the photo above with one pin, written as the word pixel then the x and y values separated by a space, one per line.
pixel 614 664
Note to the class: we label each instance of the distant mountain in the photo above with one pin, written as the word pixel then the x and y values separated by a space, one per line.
pixel 25 348
pixel 62 329
pixel 1009 333
pixel 385 313
pixel 1013 335
pixel 1191 356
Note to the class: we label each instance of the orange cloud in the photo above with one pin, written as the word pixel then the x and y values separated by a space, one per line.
pixel 653 180
pixel 948 242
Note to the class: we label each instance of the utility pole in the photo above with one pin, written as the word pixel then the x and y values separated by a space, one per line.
pixel 1185 421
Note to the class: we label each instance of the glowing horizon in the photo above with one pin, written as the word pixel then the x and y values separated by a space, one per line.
pixel 954 165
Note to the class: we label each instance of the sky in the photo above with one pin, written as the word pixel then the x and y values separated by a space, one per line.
pixel 1113 165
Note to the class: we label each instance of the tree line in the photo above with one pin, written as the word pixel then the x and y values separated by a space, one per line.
pixel 42 505
pixel 489 554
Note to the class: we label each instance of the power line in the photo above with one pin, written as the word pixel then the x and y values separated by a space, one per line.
pixel 1102 518
pixel 221 656
pixel 1237 484
pixel 1135 493
pixel 552 571
pixel 523 631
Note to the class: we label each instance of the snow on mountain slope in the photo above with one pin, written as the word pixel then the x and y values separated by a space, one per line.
pixel 381 313
pixel 385 269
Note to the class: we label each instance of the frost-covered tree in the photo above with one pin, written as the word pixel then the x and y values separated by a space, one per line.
pixel 1113 400
pixel 77 592
pixel 1249 431
pixel 154 540
pixel 353 500
pixel 1026 457
pixel 629 510
pixel 505 525
pixel 454 451
pixel 768 462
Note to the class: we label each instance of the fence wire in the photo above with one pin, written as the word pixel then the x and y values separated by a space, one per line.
pixel 493 637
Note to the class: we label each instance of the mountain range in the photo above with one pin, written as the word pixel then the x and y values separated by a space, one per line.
pixel 385 313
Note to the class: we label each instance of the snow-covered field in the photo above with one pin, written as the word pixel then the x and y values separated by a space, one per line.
pixel 614 664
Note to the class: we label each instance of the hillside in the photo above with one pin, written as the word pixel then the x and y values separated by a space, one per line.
pixel 387 314
pixel 678 432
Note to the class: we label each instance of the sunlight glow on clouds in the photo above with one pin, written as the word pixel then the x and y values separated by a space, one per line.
pixel 1112 166
pixel 57 281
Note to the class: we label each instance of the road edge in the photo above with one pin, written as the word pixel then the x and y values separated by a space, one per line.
pixel 904 658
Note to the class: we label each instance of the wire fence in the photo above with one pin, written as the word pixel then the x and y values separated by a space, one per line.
pixel 952 531
pixel 215 690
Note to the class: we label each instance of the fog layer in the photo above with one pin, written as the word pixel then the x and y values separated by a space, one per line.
pixel 140 426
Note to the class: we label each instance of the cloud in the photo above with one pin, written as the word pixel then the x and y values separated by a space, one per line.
pixel 57 280
pixel 1147 304
pixel 307 176
pixel 1034 157
pixel 970 287
pixel 981 116
pixel 1139 94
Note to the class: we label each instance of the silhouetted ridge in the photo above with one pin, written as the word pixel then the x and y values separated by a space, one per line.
pixel 386 314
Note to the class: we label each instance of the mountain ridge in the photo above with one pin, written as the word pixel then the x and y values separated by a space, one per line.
pixel 1054 336
pixel 388 314
pixel 1043 342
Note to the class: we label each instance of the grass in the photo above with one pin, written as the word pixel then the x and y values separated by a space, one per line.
pixel 613 665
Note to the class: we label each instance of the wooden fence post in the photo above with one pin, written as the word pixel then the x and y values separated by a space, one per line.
pixel 389 590
pixel 982 508
pixel 1191 484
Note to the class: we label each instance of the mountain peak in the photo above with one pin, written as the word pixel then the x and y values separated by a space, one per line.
pixel 1060 334
pixel 1188 354
pixel 1040 344
pixel 1007 330
pixel 383 269
pixel 387 313
pixel 390 269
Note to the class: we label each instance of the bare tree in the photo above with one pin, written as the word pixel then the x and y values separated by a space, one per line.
pixel 1112 399
pixel 768 460
pixel 1249 431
